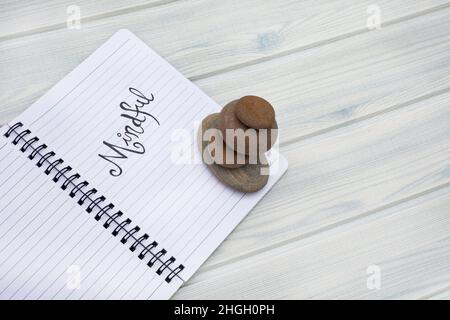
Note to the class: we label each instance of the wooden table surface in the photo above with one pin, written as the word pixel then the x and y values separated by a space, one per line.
pixel 364 117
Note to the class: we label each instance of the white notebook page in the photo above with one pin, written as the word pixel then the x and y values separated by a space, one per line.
pixel 181 206
pixel 46 237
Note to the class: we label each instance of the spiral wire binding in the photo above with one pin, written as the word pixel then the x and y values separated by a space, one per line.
pixel 94 200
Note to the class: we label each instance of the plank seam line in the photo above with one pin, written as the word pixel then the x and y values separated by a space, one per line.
pixel 317 44
pixel 62 25
pixel 118 12
pixel 325 228
pixel 378 113
pixel 362 118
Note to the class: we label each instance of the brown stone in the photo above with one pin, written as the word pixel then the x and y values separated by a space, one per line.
pixel 247 178
pixel 229 158
pixel 237 131
pixel 255 112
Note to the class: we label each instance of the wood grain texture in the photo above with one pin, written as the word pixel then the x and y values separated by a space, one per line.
pixel 364 122
pixel 409 243
pixel 348 174
pixel 329 86
pixel 198 37
pixel 443 294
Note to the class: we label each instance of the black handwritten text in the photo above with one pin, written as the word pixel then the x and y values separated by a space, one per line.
pixel 131 133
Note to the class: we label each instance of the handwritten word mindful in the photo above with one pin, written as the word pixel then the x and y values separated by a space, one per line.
pixel 131 133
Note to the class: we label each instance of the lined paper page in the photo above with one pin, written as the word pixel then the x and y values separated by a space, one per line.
pixel 48 242
pixel 91 121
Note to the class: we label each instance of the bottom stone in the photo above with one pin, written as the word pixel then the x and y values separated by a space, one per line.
pixel 247 178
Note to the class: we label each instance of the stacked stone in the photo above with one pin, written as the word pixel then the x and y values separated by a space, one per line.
pixel 237 117
pixel 238 159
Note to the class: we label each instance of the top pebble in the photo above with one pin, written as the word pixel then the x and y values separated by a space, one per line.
pixel 255 112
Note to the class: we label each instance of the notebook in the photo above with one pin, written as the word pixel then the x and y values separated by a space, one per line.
pixel 101 196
